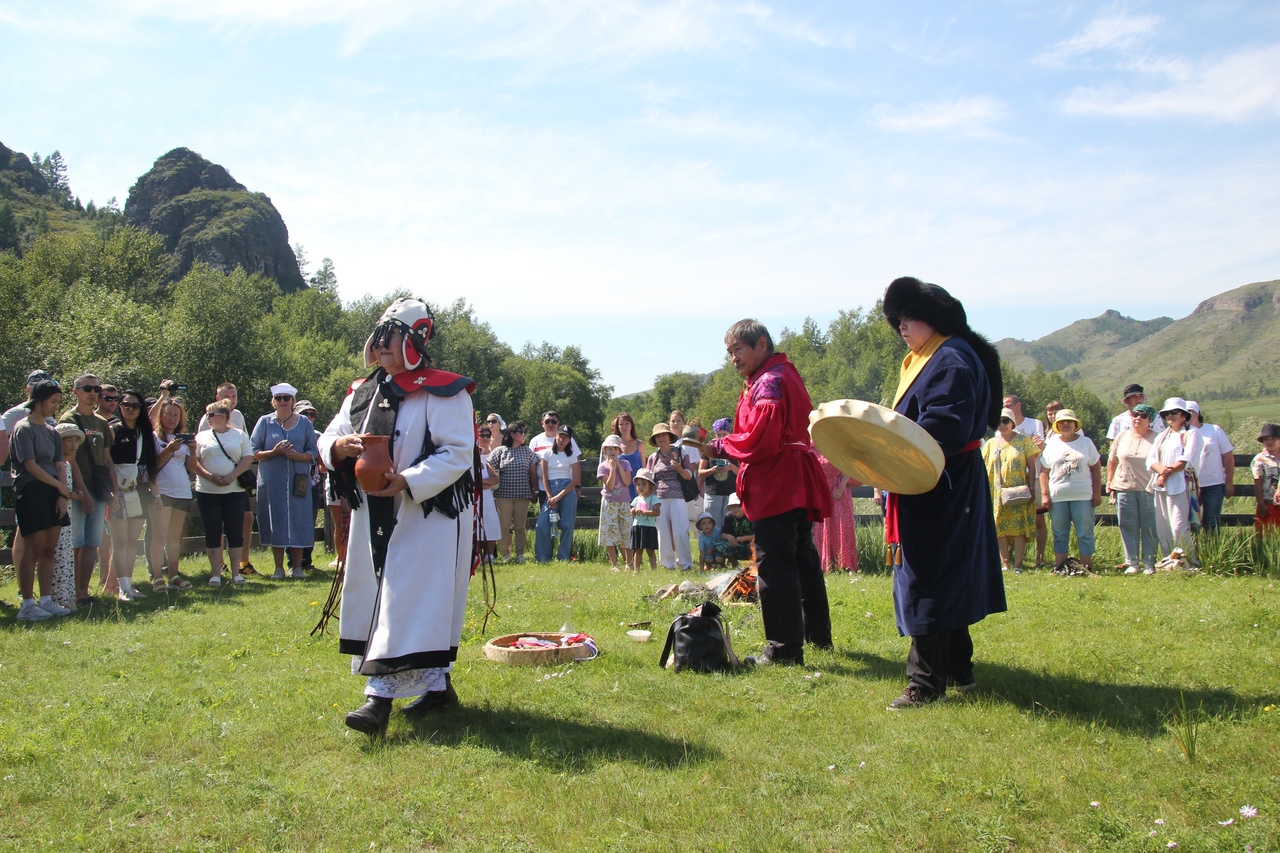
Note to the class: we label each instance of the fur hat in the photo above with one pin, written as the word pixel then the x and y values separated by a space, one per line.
pixel 916 300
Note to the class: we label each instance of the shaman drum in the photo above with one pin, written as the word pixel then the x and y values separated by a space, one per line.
pixel 877 446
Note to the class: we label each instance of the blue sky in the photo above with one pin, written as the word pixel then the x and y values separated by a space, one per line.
pixel 633 177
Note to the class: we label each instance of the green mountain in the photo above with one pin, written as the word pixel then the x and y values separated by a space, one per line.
pixel 1226 349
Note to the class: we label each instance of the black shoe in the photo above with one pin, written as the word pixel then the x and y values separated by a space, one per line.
pixel 371 717
pixel 433 700
pixel 914 697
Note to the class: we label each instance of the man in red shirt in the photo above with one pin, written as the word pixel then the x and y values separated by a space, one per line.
pixel 783 492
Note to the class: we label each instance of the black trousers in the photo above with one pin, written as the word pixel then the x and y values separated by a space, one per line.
pixel 936 657
pixel 793 591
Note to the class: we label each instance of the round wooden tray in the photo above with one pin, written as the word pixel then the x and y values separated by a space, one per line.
pixel 499 649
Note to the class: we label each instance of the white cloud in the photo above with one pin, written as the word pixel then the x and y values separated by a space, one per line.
pixel 1106 33
pixel 1241 86
pixel 971 116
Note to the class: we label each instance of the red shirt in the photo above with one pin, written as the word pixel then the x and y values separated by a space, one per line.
pixel 780 470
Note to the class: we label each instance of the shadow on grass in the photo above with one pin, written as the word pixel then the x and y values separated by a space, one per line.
pixel 561 744
pixel 1138 709
pixel 108 608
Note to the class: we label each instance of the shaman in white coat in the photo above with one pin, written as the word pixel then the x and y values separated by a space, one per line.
pixel 411 617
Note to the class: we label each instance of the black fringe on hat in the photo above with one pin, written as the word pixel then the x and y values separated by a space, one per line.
pixel 917 300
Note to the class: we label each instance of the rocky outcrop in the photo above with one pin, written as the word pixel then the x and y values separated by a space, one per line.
pixel 204 214
pixel 19 172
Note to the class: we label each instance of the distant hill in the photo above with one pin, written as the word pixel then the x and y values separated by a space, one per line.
pixel 205 215
pixel 1227 348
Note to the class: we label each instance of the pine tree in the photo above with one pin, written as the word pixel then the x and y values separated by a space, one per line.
pixel 326 279
pixel 8 228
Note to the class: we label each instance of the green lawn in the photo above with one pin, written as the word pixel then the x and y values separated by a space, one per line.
pixel 211 720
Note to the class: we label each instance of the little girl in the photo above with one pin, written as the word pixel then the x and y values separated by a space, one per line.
pixel 615 481
pixel 645 509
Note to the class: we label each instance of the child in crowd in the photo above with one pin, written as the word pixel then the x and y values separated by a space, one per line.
pixel 64 573
pixel 615 481
pixel 645 509
pixel 737 532
pixel 712 549
pixel 1266 477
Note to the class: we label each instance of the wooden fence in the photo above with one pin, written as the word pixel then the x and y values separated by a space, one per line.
pixel 588 517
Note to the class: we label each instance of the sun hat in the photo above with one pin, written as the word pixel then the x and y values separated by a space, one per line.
pixel 284 388
pixel 1269 431
pixel 38 376
pixel 659 429
pixel 1131 389
pixel 722 425
pixel 1065 415
pixel 733 500
pixel 1008 413
pixel 646 475
pixel 1175 404
pixel 43 390
pixel 612 441
pixel 69 430
pixel 304 406
pixel 708 516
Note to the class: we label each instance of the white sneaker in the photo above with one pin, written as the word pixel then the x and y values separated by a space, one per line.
pixel 53 608
pixel 1132 570
pixel 215 581
pixel 135 593
pixel 30 611
pixel 1149 570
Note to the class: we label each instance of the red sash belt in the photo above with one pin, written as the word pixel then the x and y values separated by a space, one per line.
pixel 891 503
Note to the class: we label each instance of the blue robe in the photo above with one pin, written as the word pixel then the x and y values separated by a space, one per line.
pixel 950 574
pixel 283 520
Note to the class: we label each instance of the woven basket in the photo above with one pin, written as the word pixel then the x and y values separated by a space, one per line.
pixel 499 649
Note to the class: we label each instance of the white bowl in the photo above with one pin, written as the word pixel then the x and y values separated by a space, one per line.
pixel 640 636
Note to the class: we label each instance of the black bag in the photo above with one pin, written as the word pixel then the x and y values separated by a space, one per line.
pixel 700 641
pixel 689 487
pixel 246 479
pixel 301 485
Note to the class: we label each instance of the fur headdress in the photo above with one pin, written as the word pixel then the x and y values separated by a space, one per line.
pixel 914 299
pixel 917 300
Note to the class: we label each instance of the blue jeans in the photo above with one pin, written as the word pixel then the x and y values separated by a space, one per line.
pixel 1211 498
pixel 568 508
pixel 1066 513
pixel 1136 515
pixel 86 528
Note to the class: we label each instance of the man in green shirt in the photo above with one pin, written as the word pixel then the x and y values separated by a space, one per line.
pixel 94 476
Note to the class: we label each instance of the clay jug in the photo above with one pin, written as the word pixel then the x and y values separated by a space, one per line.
pixel 373 465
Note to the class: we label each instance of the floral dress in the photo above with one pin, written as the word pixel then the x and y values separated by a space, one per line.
pixel 64 573
pixel 1006 463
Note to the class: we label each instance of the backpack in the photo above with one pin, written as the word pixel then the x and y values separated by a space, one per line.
pixel 700 641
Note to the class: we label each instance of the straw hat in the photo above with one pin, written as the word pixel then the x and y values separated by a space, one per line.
pixel 1065 415
pixel 659 429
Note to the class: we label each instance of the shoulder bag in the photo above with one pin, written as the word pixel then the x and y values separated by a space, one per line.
pixel 688 488
pixel 246 479
pixel 128 501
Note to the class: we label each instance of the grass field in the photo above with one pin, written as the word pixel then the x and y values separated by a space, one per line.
pixel 211 720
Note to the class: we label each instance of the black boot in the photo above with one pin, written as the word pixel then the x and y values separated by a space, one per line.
pixel 433 700
pixel 371 717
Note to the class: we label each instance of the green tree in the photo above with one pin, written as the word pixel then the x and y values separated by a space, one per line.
pixel 8 228
pixel 326 279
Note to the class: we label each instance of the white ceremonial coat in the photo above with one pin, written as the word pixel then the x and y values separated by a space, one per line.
pixel 412 619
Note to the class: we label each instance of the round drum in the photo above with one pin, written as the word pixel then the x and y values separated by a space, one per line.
pixel 877 446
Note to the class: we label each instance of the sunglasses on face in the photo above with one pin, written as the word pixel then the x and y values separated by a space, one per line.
pixel 217 415
pixel 550 421
pixel 492 421
pixel 90 389
pixel 280 398
pixel 109 399
pixel 517 432
pixel 127 405
pixel 484 433
pixel 1005 421
pixel 1140 415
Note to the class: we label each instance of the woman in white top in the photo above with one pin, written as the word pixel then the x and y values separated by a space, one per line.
pixel 1129 480
pixel 1170 460
pixel 488 509
pixel 561 474
pixel 223 453
pixel 1070 487
pixel 175 466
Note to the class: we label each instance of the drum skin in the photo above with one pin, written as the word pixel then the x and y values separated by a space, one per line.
pixel 877 446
